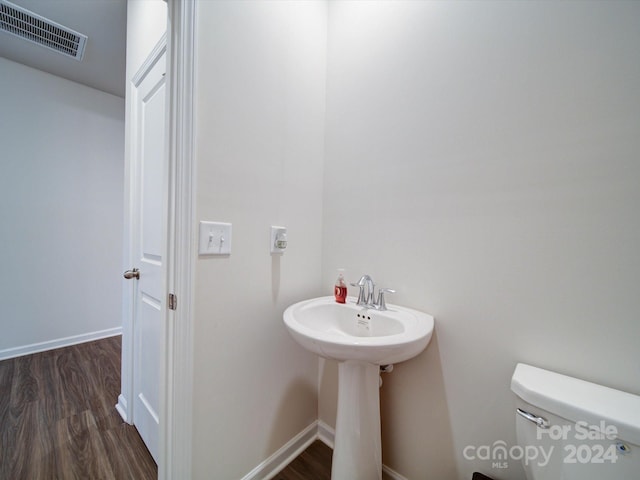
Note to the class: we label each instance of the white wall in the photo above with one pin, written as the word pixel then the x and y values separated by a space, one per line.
pixel 260 136
pixel 61 211
pixel 482 159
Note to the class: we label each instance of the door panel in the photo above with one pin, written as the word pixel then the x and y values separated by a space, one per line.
pixel 149 244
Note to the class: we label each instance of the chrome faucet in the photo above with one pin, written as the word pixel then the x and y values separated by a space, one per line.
pixel 366 295
pixel 365 283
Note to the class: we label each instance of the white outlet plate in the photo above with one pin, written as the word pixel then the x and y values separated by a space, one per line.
pixel 214 238
pixel 274 233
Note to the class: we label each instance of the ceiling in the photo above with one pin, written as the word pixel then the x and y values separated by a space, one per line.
pixel 103 21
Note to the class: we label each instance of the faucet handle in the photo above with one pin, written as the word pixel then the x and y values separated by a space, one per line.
pixel 381 304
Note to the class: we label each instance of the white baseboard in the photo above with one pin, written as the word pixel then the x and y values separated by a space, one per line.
pixel 58 343
pixel 281 458
pixel 121 407
pixel 327 435
pixel 392 473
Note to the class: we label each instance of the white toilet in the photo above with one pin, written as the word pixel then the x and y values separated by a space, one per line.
pixel 569 429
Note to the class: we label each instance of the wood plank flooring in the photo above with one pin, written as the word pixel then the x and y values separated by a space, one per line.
pixel 58 418
pixel 58 421
pixel 312 464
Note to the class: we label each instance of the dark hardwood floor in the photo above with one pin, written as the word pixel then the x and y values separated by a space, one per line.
pixel 58 420
pixel 314 463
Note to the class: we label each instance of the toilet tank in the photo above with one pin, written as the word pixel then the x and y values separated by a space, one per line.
pixel 570 429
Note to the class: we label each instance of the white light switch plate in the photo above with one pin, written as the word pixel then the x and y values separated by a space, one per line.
pixel 215 238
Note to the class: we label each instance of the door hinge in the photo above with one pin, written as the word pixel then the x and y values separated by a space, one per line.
pixel 173 301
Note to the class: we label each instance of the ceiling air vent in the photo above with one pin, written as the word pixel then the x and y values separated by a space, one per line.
pixel 37 29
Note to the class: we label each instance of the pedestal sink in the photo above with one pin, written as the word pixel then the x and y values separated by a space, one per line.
pixel 360 339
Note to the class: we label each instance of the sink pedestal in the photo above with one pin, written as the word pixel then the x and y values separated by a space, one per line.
pixel 361 339
pixel 357 453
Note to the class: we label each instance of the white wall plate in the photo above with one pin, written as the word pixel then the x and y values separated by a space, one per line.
pixel 215 238
pixel 278 239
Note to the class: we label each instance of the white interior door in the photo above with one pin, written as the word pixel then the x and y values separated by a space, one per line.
pixel 149 244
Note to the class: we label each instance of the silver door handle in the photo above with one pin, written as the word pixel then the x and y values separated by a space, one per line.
pixel 539 421
pixel 129 274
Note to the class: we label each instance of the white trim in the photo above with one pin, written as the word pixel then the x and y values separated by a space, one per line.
pixel 392 473
pixel 176 422
pixel 58 343
pixel 318 430
pixel 326 435
pixel 283 456
pixel 121 407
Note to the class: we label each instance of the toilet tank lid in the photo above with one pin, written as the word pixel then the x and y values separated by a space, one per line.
pixel 577 400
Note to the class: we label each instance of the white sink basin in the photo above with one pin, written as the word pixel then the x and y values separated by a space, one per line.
pixel 360 339
pixel 349 332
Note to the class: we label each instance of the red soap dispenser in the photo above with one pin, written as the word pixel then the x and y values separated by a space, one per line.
pixel 340 289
